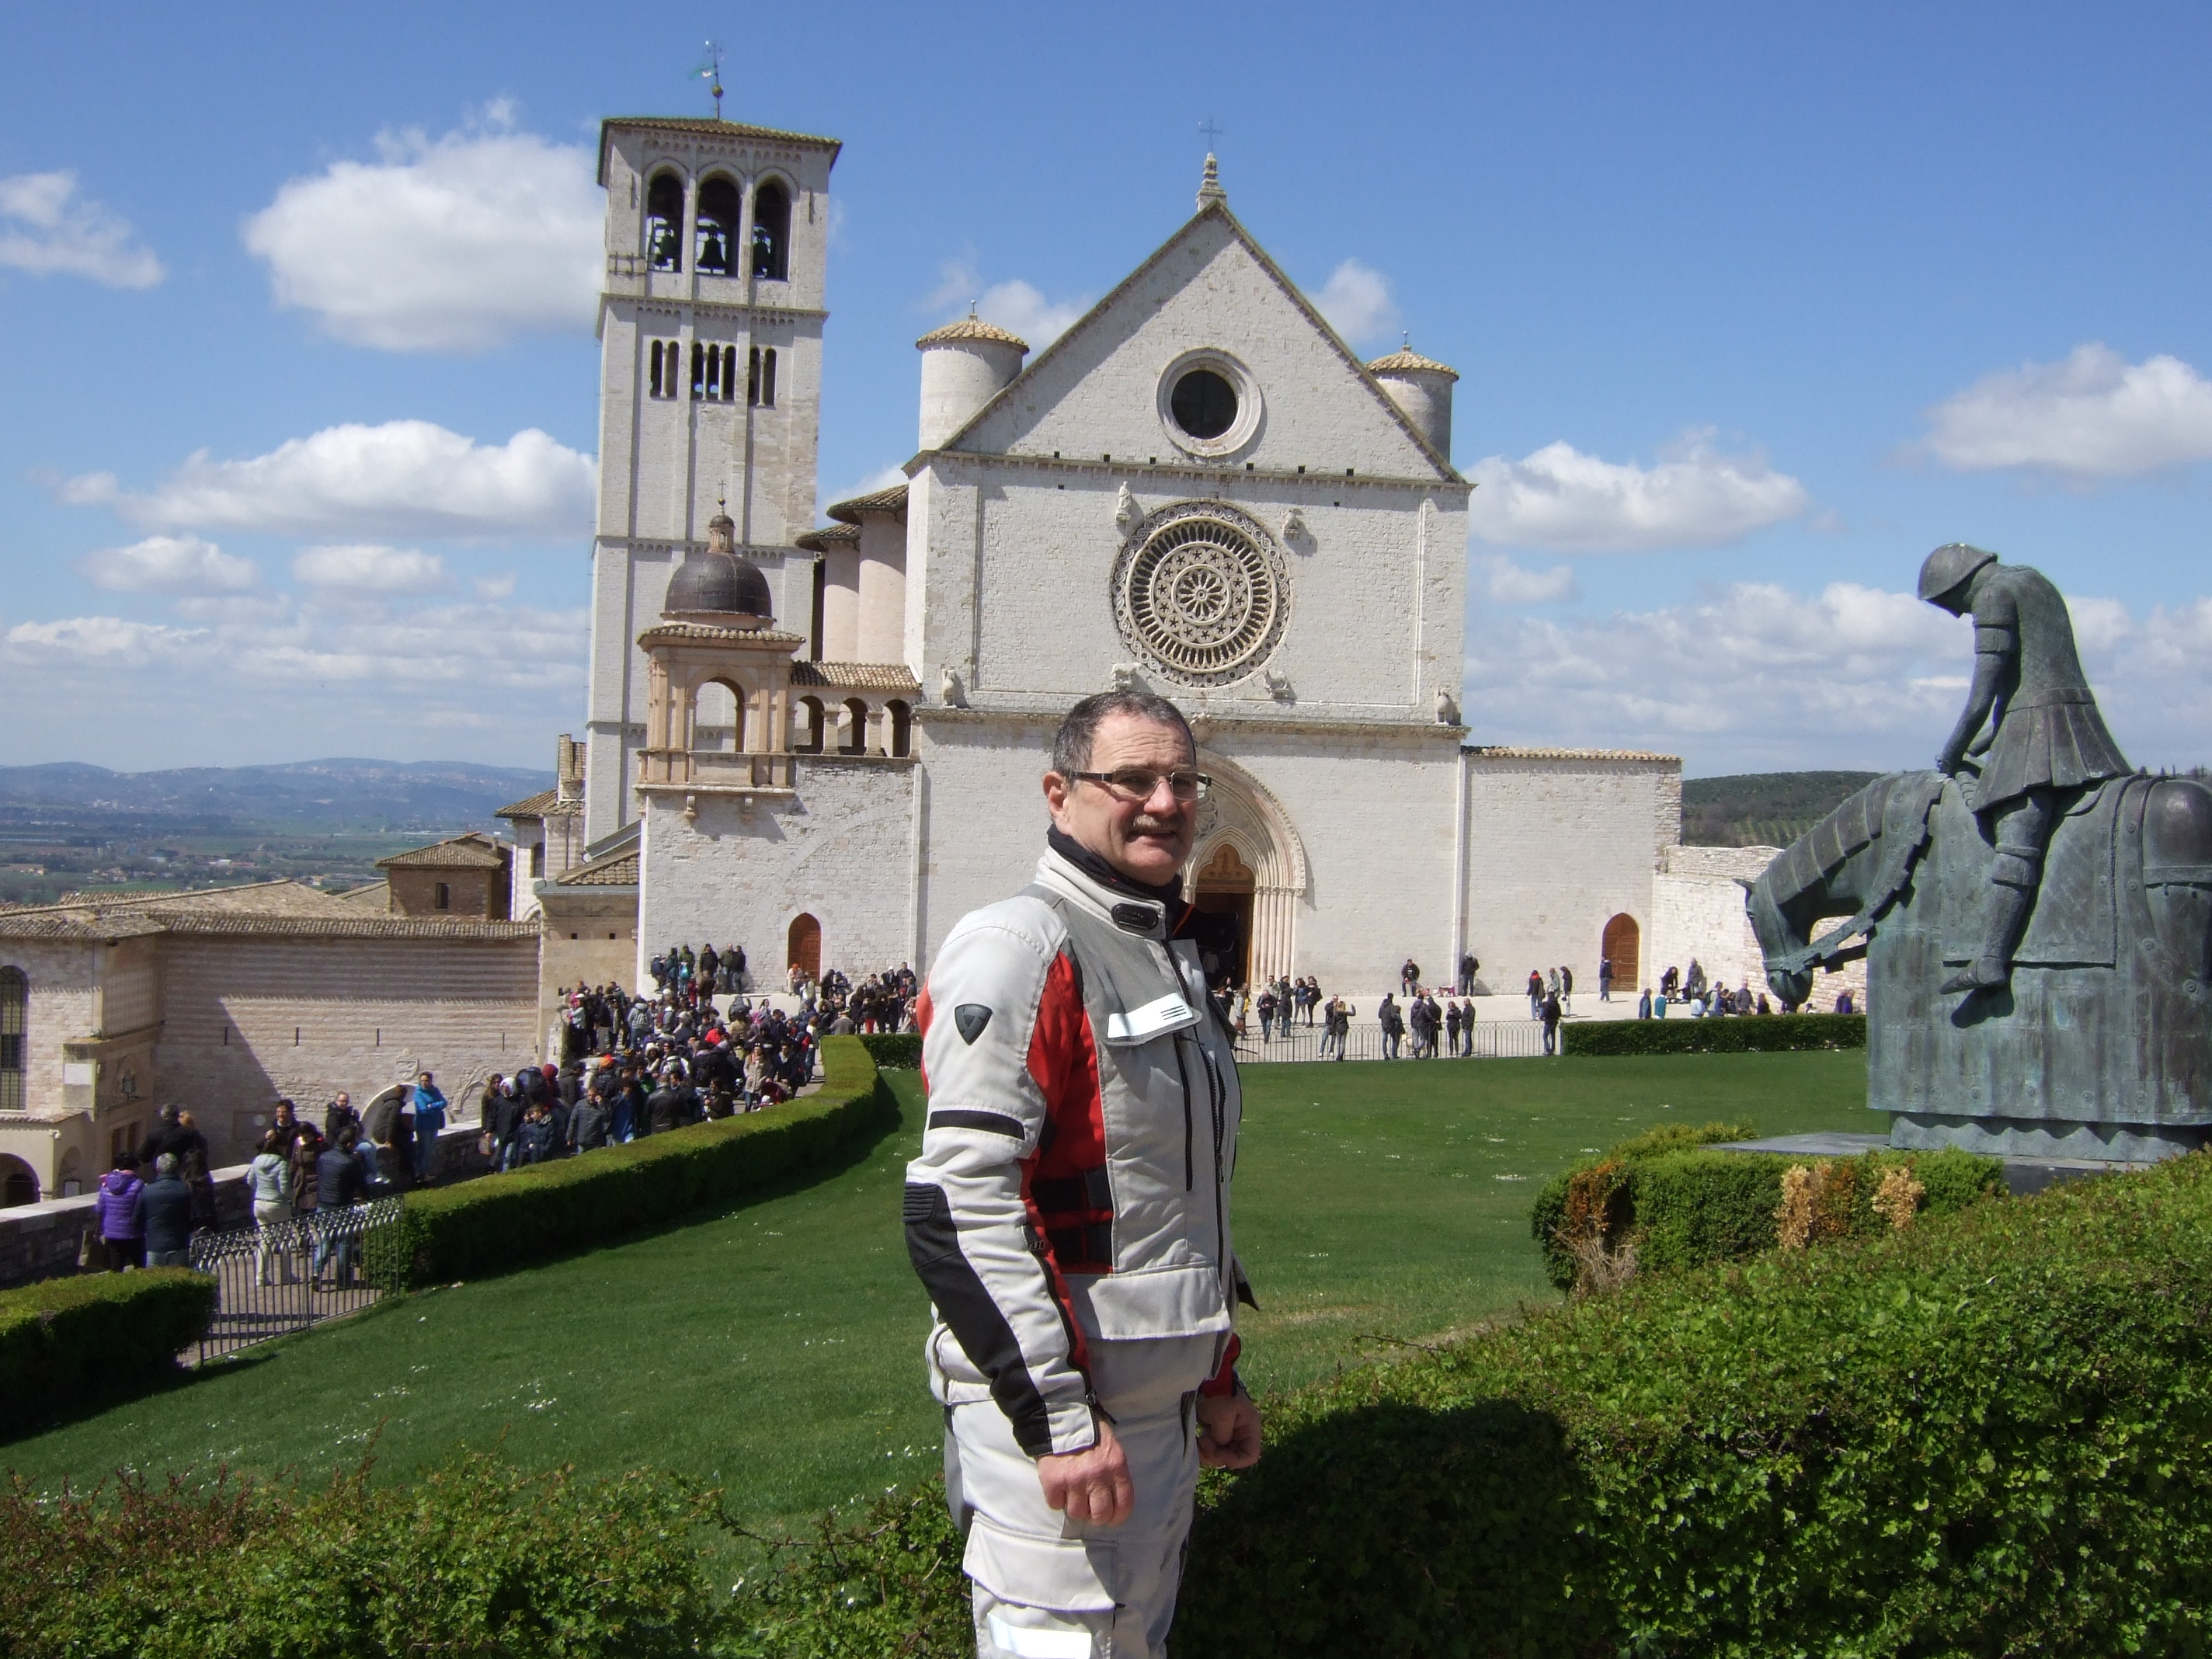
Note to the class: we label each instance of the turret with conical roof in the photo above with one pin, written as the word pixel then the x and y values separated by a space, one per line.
pixel 964 365
pixel 1422 389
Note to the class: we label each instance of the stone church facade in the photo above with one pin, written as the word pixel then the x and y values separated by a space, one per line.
pixel 824 743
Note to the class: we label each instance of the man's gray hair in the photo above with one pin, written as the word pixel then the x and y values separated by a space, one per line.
pixel 1072 746
pixel 166 1166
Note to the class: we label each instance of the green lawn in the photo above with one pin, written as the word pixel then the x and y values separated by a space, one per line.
pixel 776 1349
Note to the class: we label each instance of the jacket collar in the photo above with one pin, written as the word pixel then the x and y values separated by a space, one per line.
pixel 1144 917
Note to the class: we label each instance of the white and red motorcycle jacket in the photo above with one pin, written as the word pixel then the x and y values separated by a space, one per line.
pixel 1069 1213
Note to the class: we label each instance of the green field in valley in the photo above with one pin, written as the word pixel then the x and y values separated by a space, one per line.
pixel 775 1349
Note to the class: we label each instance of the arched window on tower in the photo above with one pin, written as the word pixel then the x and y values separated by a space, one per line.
pixel 664 222
pixel 856 727
pixel 772 232
pixel 665 361
pixel 715 372
pixel 719 206
pixel 14 1005
pixel 760 379
pixel 902 719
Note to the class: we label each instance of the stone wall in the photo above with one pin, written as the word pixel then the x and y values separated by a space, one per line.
pixel 841 850
pixel 590 938
pixel 251 1018
pixel 1697 905
pixel 1559 842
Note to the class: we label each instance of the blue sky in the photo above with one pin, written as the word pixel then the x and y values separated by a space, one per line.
pixel 1754 304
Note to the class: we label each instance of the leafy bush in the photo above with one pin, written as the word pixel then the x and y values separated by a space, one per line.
pixel 482 1227
pixel 894 1051
pixel 1990 1433
pixel 1739 1033
pixel 1690 1208
pixel 65 1342
pixel 477 1558
pixel 1680 1138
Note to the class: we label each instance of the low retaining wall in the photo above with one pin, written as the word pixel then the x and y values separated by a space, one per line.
pixel 41 1240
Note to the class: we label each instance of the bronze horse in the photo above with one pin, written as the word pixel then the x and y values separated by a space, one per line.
pixel 2100 1047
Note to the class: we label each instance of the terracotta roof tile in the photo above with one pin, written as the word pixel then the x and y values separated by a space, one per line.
pixel 545 804
pixel 1409 361
pixel 681 630
pixel 616 869
pixel 1510 751
pixel 830 536
pixel 882 501
pixel 971 328
pixel 473 851
pixel 857 675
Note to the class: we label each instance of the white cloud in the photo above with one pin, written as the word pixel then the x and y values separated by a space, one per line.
pixel 368 569
pixel 100 637
pixel 1754 676
pixel 1695 497
pixel 1508 583
pixel 455 243
pixel 1355 299
pixel 45 227
pixel 1015 305
pixel 2094 416
pixel 882 478
pixel 168 565
pixel 403 478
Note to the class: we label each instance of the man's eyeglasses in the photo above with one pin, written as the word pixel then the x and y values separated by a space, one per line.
pixel 1136 783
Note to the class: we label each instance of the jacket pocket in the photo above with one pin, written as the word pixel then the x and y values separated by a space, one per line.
pixel 1184 1300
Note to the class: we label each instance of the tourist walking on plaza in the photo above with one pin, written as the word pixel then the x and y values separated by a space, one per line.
pixel 121 1228
pixel 1451 1026
pixel 1605 979
pixel 339 1188
pixel 1394 1026
pixel 1550 1015
pixel 1535 994
pixel 1567 989
pixel 268 1185
pixel 1068 1037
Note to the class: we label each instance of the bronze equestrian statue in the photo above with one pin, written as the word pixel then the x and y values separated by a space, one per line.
pixel 2037 928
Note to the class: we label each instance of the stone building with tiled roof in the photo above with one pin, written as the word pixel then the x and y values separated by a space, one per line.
pixel 1197 488
pixel 224 999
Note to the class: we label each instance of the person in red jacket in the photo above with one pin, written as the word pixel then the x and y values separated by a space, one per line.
pixel 1069 1211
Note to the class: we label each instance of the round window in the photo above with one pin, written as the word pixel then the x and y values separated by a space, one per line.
pixel 1200 591
pixel 1203 404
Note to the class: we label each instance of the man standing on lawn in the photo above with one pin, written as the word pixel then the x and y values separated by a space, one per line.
pixel 1069 1213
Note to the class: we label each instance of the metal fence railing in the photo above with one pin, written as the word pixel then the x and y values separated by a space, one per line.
pixel 274 1280
pixel 1490 1039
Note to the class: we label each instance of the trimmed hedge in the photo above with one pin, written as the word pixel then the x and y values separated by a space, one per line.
pixel 1736 1034
pixel 1686 1208
pixel 895 1051
pixel 64 1341
pixel 479 1228
pixel 1989 1434
pixel 477 1559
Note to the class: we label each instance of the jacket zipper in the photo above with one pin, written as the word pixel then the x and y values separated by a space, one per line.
pixel 1183 1071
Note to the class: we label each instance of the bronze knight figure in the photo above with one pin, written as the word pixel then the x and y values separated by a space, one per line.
pixel 2032 720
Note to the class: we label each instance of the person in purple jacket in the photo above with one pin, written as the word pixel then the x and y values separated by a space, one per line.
pixel 120 1229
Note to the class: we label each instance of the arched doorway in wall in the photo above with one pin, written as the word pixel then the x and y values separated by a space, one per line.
pixel 1241 818
pixel 1223 926
pixel 804 945
pixel 1623 946
pixel 18 1184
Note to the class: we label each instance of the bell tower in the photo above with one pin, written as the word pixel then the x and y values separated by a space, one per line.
pixel 710 376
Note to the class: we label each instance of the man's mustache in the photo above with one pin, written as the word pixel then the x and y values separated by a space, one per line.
pixel 1145 824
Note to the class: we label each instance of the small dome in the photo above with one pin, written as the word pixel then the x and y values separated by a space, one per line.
pixel 712 581
pixel 971 327
pixel 1410 361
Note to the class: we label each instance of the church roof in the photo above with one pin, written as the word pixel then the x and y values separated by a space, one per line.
pixel 883 501
pixel 1515 751
pixel 1407 361
pixel 857 675
pixel 830 535
pixel 970 328
pixel 710 127
pixel 617 869
pixel 262 908
pixel 675 633
pixel 545 804
pixel 1215 206
pixel 474 851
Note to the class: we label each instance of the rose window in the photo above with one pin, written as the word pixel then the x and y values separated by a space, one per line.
pixel 1199 590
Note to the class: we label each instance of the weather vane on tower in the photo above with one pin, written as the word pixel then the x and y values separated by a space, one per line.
pixel 711 72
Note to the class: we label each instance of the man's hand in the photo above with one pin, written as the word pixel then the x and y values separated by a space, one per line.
pixel 1092 1485
pixel 1229 1432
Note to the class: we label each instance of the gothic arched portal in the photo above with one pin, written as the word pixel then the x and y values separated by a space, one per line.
pixel 1241 818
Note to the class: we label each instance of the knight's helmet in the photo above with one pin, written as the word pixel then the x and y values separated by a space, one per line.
pixel 1950 568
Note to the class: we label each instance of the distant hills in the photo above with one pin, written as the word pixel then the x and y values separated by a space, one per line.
pixel 1762 809
pixel 304 797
